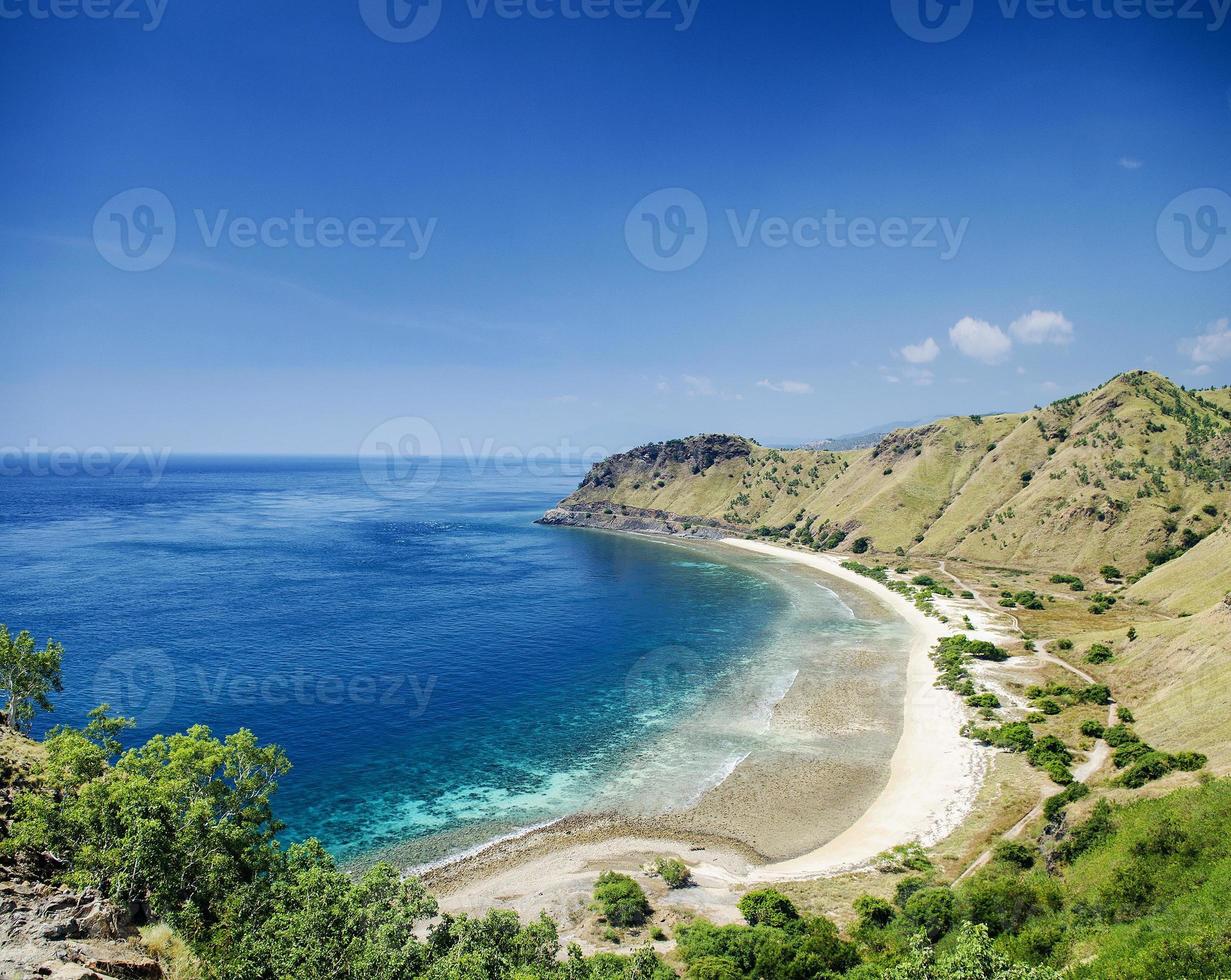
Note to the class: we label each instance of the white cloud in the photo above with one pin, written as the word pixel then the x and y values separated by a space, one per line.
pixel 1042 327
pixel 698 385
pixel 981 340
pixel 924 353
pixel 786 387
pixel 1213 345
pixel 1201 369
pixel 1128 163
pixel 1049 386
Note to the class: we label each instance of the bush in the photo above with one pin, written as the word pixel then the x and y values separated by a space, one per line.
pixel 1054 807
pixel 1189 761
pixel 620 899
pixel 1092 729
pixel 1001 898
pixel 907 887
pixel 1095 694
pixel 861 546
pixel 904 857
pixel 985 700
pixel 926 581
pixel 1154 765
pixel 1016 853
pixel 873 912
pixel 1064 646
pixel 673 871
pixel 714 968
pixel 1118 735
pixel 1049 707
pixel 768 907
pixel 1099 653
pixel 933 910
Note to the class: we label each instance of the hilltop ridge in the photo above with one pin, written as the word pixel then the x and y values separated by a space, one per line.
pixel 1125 474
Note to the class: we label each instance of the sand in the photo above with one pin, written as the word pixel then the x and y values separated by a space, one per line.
pixel 932 782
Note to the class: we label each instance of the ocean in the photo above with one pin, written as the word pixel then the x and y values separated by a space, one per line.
pixel 440 670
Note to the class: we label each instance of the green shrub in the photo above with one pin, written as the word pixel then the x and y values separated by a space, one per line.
pixel 1049 707
pixel 1095 694
pixel 767 907
pixel 873 912
pixel 673 871
pixel 1055 805
pixel 1111 573
pixel 1064 646
pixel 907 887
pixel 1118 735
pixel 1099 653
pixel 1016 853
pixel 1092 729
pixel 933 910
pixel 1154 765
pixel 620 899
pixel 985 700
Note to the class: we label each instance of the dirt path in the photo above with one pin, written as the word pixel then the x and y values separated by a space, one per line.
pixel 1097 758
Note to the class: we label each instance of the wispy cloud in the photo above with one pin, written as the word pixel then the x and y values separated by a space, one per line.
pixel 1129 163
pixel 1210 347
pixel 1042 327
pixel 786 387
pixel 698 386
pixel 924 353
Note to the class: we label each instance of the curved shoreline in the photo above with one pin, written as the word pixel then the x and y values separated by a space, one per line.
pixel 934 778
pixel 934 774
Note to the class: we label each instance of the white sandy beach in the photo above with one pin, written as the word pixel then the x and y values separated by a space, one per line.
pixel 935 774
pixel 934 778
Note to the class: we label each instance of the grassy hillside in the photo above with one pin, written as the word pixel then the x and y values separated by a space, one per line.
pixel 1130 474
pixel 1194 581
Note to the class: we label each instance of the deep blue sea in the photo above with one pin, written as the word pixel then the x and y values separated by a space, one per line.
pixel 439 669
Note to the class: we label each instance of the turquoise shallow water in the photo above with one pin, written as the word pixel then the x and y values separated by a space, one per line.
pixel 439 669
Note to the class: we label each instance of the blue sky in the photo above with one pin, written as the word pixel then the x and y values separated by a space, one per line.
pixel 518 149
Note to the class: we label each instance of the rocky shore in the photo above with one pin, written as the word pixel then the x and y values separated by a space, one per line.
pixel 619 517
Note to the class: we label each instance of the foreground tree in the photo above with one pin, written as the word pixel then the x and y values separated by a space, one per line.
pixel 27 676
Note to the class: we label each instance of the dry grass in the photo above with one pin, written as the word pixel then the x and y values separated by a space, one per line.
pixel 177 962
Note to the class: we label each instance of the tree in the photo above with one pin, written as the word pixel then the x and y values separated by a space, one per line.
pixel 767 907
pixel 621 899
pixel 27 676
pixel 933 910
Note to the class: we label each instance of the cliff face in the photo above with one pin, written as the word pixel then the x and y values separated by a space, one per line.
pixel 1112 476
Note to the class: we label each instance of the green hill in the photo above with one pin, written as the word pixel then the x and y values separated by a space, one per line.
pixel 1131 474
